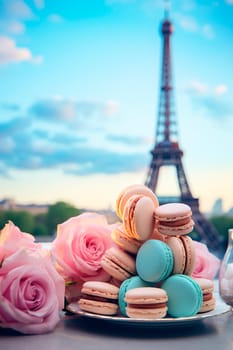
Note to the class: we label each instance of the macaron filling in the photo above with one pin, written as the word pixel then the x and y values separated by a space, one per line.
pixel 147 306
pixel 174 223
pixel 207 297
pixel 98 298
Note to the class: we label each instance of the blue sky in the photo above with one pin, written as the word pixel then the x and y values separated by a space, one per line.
pixel 79 98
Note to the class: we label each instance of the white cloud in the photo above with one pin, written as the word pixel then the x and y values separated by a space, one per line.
pixel 17 9
pixel 39 4
pixel 10 53
pixel 187 22
pixel 220 89
pixel 42 146
pixel 13 14
pixel 55 18
pixel 6 145
pixel 212 101
pixel 188 5
pixel 54 109
pixel 190 24
pixel 12 26
pixel 110 108
pixel 198 87
pixel 229 2
pixel 37 59
pixel 208 31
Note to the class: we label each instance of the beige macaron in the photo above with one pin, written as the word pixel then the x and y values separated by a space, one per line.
pixel 120 237
pixel 174 219
pixel 99 298
pixel 146 303
pixel 118 264
pixel 207 287
pixel 129 191
pixel 139 217
pixel 183 253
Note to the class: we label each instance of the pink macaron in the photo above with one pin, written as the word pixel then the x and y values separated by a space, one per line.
pixel 139 217
pixel 209 301
pixel 146 303
pixel 174 219
pixel 118 264
pixel 183 253
pixel 131 190
pixel 99 298
pixel 120 237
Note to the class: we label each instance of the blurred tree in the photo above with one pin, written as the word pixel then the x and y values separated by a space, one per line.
pixel 23 219
pixel 41 228
pixel 222 224
pixel 58 213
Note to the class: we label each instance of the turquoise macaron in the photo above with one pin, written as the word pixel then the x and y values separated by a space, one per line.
pixel 130 283
pixel 154 261
pixel 184 295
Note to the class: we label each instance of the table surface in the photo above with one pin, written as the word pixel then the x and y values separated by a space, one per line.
pixel 74 332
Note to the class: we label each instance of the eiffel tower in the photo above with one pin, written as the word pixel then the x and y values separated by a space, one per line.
pixel 167 152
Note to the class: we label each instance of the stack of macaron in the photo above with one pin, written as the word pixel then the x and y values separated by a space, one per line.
pixel 174 220
pixel 151 265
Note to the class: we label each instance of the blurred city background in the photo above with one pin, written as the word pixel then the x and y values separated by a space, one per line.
pixel 79 98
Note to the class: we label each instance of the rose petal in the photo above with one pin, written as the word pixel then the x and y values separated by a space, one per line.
pixel 11 238
pixel 80 245
pixel 31 292
pixel 206 264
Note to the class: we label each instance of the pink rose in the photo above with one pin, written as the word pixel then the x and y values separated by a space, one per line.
pixel 207 264
pixel 11 239
pixel 31 292
pixel 79 247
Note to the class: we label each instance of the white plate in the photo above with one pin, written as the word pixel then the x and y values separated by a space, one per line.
pixel 220 309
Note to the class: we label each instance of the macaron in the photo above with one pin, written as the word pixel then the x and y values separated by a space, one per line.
pixel 183 253
pixel 120 237
pixel 118 264
pixel 154 261
pixel 157 235
pixel 146 303
pixel 207 287
pixel 184 295
pixel 174 219
pixel 99 298
pixel 139 217
pixel 130 283
pixel 127 192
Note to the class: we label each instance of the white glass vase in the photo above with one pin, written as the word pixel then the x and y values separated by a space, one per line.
pixel 226 272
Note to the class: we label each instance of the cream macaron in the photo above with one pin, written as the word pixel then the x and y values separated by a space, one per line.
pixel 120 237
pixel 99 298
pixel 174 219
pixel 183 253
pixel 146 303
pixel 118 264
pixel 129 191
pixel 207 287
pixel 139 217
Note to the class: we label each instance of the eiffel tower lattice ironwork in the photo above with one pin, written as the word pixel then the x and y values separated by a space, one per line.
pixel 167 152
